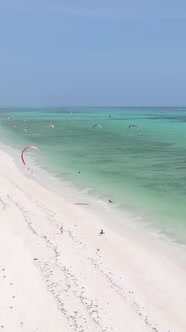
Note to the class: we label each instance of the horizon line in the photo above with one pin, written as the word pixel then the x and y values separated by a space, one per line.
pixel 88 106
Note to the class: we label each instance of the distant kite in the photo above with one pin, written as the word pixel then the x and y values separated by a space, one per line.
pixel 135 126
pixel 97 125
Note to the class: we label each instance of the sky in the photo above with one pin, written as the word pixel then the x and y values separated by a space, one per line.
pixel 92 53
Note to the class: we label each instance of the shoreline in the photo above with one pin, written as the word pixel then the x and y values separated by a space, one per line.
pixel 85 196
pixel 97 283
pixel 146 210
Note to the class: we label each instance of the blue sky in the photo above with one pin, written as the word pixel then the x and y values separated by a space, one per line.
pixel 92 52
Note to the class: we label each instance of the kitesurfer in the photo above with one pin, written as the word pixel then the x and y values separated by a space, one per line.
pixel 135 126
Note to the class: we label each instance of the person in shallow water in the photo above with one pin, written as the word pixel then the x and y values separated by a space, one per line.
pixel 110 201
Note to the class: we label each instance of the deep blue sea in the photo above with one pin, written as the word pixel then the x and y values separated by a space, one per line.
pixel 144 173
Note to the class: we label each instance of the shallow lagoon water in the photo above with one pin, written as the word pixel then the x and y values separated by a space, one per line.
pixel 144 173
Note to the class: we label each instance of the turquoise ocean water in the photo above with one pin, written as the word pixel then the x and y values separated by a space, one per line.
pixel 144 173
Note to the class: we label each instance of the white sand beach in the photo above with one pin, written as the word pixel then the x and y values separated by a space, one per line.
pixel 57 273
